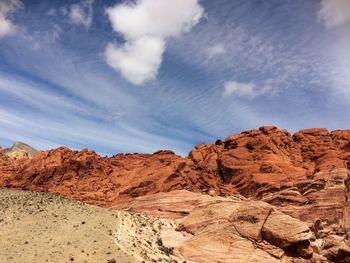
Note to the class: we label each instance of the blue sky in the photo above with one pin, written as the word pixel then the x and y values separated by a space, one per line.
pixel 137 76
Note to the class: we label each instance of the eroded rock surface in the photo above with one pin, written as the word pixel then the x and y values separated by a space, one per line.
pixel 101 180
pixel 230 230
pixel 305 176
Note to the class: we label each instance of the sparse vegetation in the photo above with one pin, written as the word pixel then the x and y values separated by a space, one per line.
pixel 58 229
pixel 167 250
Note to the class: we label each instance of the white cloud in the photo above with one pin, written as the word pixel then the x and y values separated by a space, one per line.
pixel 214 50
pixel 159 18
pixel 239 89
pixel 247 90
pixel 69 121
pixel 6 8
pixel 145 25
pixel 81 14
pixel 335 12
pixel 136 60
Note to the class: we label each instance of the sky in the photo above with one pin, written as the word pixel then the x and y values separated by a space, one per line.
pixel 142 75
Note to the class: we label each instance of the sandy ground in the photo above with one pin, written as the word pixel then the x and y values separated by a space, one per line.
pixel 37 227
pixel 41 227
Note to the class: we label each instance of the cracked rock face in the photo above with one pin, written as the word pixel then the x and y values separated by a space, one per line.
pixel 255 235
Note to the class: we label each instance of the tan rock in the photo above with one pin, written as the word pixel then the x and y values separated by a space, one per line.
pixel 283 231
pixel 249 218
pixel 222 245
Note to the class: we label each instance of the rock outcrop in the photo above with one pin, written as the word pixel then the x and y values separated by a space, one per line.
pixel 219 229
pixel 101 180
pixel 305 176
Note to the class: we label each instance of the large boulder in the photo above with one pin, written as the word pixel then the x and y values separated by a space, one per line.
pixel 284 231
pixel 243 231
pixel 223 245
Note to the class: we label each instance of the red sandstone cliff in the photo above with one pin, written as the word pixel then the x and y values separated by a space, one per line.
pixel 101 180
pixel 306 175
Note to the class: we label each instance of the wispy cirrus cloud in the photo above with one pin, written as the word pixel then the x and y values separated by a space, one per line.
pixel 247 90
pixel 239 89
pixel 269 59
pixel 59 119
pixel 212 79
pixel 145 26
pixel 79 13
pixel 335 15
pixel 214 51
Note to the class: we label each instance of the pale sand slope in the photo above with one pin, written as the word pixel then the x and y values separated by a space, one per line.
pixel 37 227
pixel 41 227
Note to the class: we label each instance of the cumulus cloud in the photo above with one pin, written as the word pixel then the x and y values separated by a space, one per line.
pixel 7 7
pixel 81 14
pixel 137 60
pixel 335 12
pixel 145 26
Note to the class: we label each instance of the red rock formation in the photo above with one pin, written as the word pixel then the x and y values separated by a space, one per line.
pixel 305 175
pixel 218 229
pixel 87 176
pixel 6 166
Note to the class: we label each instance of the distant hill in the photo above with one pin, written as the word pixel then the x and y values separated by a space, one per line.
pixel 20 150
